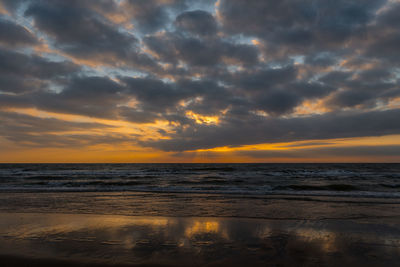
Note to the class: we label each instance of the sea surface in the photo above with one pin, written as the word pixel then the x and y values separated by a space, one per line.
pixel 357 180
pixel 268 191
pixel 199 214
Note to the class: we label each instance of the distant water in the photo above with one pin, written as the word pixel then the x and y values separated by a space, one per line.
pixel 354 180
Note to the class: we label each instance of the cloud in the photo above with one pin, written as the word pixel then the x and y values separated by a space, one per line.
pixel 87 96
pixel 229 73
pixel 17 122
pixel 33 66
pixel 198 22
pixel 78 30
pixel 12 35
pixel 196 52
pixel 369 88
pixel 384 36
pixel 44 132
pixel 152 15
pixel 298 27
pixel 371 152
pixel 160 100
pixel 24 73
pixel 83 33
pixel 234 132
pixel 90 96
pixel 11 5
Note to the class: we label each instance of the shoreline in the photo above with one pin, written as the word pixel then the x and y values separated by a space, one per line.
pixel 46 239
pixel 191 205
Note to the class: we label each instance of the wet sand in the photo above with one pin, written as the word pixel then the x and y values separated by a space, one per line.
pixel 51 239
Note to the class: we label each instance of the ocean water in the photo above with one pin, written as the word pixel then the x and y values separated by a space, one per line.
pixel 334 180
pixel 200 214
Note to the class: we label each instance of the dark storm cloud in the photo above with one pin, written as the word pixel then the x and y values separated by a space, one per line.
pixel 291 26
pixel 33 66
pixel 198 52
pixel 197 22
pixel 83 33
pixel 336 78
pixel 11 5
pixel 104 98
pixel 151 15
pixel 89 96
pixel 16 84
pixel 138 116
pixel 321 59
pixel 277 102
pixel 159 100
pixel 276 90
pixel 13 35
pixel 153 93
pixel 78 30
pixel 310 90
pixel 362 88
pixel 22 73
pixel 364 94
pixel 213 97
pixel 265 79
pixel 235 132
pixel 384 36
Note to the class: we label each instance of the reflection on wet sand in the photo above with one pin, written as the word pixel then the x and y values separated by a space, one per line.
pixel 114 240
pixel 199 227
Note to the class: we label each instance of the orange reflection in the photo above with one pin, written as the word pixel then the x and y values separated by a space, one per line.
pixel 63 223
pixel 199 227
pixel 327 239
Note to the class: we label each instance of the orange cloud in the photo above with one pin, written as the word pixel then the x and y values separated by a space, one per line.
pixel 200 119
pixel 127 150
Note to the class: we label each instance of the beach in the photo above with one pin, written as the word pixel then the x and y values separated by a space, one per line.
pixel 209 133
pixel 37 239
pixel 293 232
pixel 52 226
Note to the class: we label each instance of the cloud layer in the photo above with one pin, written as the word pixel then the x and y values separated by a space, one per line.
pixel 200 74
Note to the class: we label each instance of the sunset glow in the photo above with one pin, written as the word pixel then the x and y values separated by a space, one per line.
pixel 199 81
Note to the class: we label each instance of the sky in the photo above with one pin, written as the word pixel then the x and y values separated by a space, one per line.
pixel 199 81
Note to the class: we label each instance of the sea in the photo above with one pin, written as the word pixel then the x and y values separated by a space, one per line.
pixel 230 190
pixel 367 180
pixel 199 214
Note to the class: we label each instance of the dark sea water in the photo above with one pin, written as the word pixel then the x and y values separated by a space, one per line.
pixel 200 214
pixel 353 180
